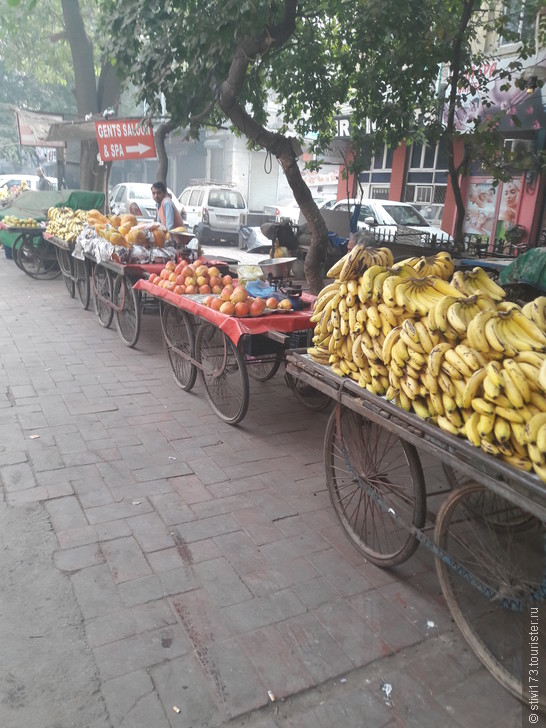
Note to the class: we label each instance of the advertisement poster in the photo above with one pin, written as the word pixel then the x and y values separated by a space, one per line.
pixel 480 211
pixel 508 208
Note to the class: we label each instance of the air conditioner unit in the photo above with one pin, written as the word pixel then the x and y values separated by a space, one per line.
pixel 519 146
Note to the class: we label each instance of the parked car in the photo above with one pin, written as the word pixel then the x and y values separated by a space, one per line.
pixel 214 212
pixel 385 216
pixel 135 198
pixel 7 181
pixel 289 208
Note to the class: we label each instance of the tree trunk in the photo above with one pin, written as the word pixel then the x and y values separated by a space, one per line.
pixel 89 100
pixel 286 149
pixel 162 158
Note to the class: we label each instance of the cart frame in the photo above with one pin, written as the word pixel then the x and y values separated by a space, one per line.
pixel 489 533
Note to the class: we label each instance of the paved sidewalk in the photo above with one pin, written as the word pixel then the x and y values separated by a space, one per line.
pixel 172 560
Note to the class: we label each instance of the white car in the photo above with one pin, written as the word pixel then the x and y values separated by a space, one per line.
pixel 7 181
pixel 213 212
pixel 289 208
pixel 136 198
pixel 386 216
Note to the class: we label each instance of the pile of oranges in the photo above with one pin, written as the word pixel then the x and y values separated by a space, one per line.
pixel 224 294
pixel 190 278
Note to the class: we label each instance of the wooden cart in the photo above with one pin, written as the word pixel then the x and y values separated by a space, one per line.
pixel 488 535
pixel 32 253
pixel 226 350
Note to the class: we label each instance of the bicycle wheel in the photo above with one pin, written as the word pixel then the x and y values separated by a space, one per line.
pixel 128 317
pixel 306 394
pixel 83 286
pixel 223 373
pixel 357 452
pixel 180 345
pixel 487 504
pixel 264 368
pixel 496 618
pixel 65 264
pixel 102 289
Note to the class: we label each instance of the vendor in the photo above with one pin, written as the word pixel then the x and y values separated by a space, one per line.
pixel 167 214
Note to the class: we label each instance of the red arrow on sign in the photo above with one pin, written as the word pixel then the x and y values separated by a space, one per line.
pixel 120 139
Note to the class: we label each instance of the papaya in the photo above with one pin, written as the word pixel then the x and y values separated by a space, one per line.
pixel 115 220
pixel 125 227
pixel 117 239
pixel 159 238
pixel 137 237
pixel 127 217
pixel 94 217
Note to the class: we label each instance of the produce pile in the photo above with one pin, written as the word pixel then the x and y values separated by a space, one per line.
pixel 20 222
pixel 221 292
pixel 65 223
pixel 445 345
pixel 126 231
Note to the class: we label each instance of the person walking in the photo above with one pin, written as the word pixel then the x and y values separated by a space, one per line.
pixel 43 183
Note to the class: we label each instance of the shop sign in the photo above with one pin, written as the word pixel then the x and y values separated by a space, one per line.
pixel 121 139
pixel 33 128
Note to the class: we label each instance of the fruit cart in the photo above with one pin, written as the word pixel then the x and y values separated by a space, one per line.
pixel 488 531
pixel 31 252
pixel 224 349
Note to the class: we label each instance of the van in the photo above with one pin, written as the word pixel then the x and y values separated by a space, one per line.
pixel 214 212
pixel 8 181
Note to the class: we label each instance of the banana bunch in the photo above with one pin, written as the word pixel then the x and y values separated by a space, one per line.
pixel 65 223
pixel 536 311
pixel 505 332
pixel 20 222
pixel 452 314
pixel 357 260
pixel 476 281
pixel 440 265
pixel 416 295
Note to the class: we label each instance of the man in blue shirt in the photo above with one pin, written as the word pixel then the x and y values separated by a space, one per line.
pixel 167 214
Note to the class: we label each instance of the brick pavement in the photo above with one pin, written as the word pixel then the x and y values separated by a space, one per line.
pixel 207 563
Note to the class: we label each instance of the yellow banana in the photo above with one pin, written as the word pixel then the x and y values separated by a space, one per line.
pixel 519 462
pixel 452 357
pixel 476 331
pixel 446 425
pixel 511 391
pixel 533 426
pixel 366 286
pixel 471 430
pixel 436 357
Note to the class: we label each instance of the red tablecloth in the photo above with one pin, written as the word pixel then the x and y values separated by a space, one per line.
pixel 232 326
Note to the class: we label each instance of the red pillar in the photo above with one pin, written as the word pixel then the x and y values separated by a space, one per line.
pixel 346 180
pixel 398 174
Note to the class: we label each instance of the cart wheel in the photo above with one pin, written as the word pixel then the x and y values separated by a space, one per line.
pixel 262 368
pixel 65 264
pixel 511 563
pixel 308 395
pixel 37 258
pixel 128 317
pixel 102 285
pixel 83 286
pixel 487 504
pixel 180 345
pixel 359 451
pixel 223 373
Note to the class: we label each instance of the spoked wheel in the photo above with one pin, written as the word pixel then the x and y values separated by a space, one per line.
pixel 223 373
pixel 487 504
pixel 128 315
pixel 357 452
pixel 180 345
pixel 496 618
pixel 83 284
pixel 36 257
pixel 102 288
pixel 65 264
pixel 262 368
pixel 308 395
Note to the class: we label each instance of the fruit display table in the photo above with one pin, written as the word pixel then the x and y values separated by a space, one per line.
pixel 223 349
